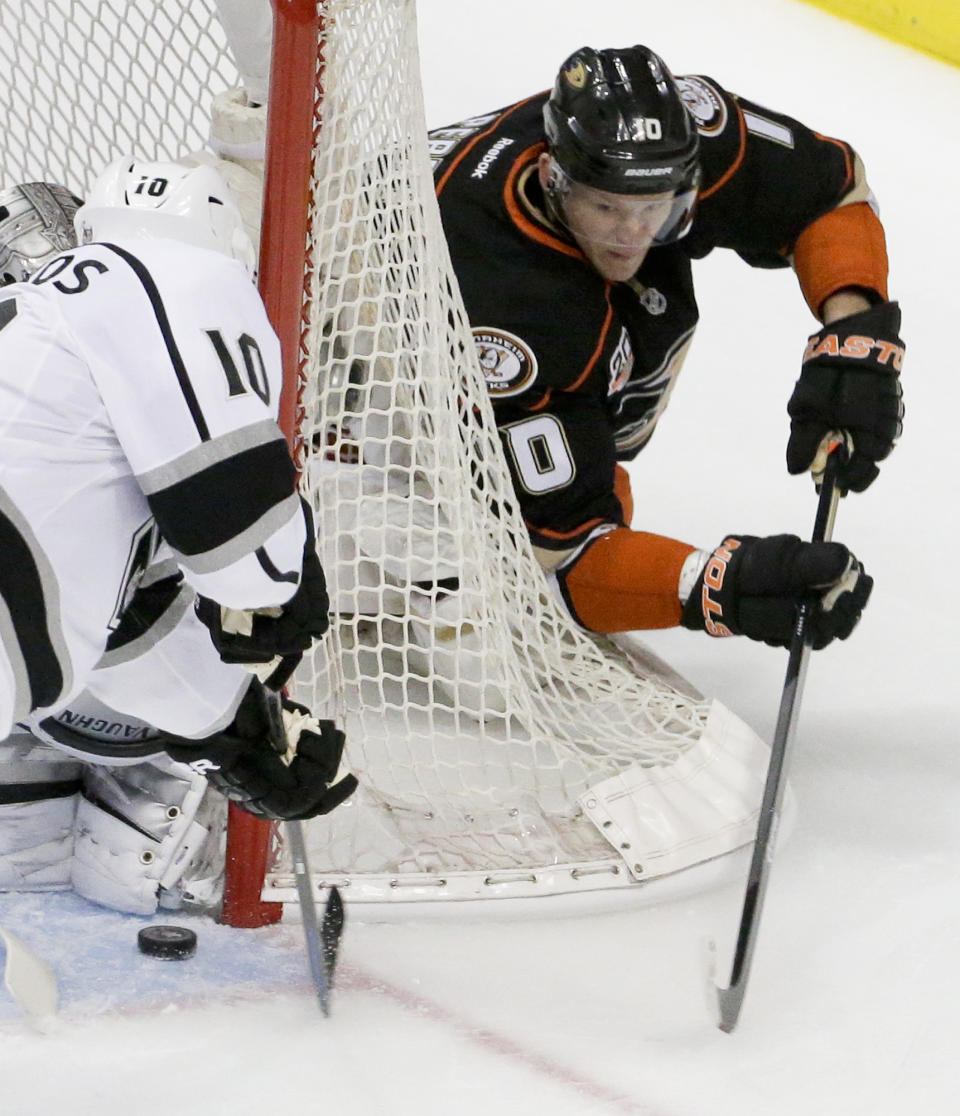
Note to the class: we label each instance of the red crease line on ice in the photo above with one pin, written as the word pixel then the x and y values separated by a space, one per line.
pixel 357 980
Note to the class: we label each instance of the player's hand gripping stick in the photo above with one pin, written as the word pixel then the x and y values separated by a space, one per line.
pixel 729 1000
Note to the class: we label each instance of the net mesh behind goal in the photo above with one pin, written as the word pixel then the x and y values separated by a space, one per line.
pixel 91 80
pixel 500 750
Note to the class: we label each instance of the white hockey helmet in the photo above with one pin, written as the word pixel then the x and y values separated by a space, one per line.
pixel 165 201
pixel 36 224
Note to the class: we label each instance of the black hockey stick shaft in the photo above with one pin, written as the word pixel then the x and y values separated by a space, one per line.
pixel 312 933
pixel 730 999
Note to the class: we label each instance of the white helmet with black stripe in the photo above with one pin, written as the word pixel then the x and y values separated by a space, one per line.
pixel 168 201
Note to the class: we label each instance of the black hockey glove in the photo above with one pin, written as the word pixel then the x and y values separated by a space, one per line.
pixel 259 636
pixel 753 586
pixel 243 762
pixel 850 382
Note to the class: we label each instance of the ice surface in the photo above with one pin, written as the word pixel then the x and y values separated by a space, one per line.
pixel 851 1007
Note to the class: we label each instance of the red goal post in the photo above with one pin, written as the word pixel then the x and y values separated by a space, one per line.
pixel 293 120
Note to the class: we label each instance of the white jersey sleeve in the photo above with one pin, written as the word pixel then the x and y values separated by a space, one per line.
pixel 188 367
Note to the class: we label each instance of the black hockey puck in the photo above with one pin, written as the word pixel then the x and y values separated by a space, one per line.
pixel 169 943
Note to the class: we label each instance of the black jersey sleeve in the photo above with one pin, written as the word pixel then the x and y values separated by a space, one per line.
pixel 766 176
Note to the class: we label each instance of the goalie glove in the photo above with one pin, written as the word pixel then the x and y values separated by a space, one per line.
pixel 243 762
pixel 754 586
pixel 263 635
pixel 850 382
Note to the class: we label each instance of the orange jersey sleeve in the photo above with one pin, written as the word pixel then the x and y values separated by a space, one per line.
pixel 844 248
pixel 626 581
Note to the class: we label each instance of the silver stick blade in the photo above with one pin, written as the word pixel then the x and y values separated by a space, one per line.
pixel 30 981
pixel 723 1004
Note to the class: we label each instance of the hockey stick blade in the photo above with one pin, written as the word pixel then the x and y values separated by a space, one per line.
pixel 30 981
pixel 331 930
pixel 708 955
pixel 730 999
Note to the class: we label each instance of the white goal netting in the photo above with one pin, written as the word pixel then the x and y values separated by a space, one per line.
pixel 90 80
pixel 500 750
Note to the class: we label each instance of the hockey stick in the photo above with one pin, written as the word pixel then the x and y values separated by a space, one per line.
pixel 730 999
pixel 322 939
pixel 29 980
pixel 312 931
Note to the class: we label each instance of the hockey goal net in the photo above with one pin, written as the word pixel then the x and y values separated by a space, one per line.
pixel 501 751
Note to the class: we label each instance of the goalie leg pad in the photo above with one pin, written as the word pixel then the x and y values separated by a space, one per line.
pixel 39 792
pixel 139 835
pixel 238 130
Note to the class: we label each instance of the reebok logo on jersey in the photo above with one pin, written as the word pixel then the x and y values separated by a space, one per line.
pixel 491 157
pixel 855 347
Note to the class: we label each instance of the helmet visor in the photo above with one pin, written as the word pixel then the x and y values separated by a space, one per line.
pixel 624 222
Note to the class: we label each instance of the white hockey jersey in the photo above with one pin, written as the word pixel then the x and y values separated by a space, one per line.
pixel 139 387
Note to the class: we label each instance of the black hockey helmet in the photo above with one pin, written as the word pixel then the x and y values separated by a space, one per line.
pixel 615 121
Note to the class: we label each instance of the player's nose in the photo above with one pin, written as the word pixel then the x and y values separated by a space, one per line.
pixel 635 230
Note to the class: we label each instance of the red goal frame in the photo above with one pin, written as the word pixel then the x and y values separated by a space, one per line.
pixel 293 122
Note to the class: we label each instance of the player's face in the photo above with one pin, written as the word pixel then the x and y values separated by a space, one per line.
pixel 615 231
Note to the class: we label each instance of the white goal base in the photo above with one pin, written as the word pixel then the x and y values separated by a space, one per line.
pixel 644 836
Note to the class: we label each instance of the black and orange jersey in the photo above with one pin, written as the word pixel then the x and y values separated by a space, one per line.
pixel 545 322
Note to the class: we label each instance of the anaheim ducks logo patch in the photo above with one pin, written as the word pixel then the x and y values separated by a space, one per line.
pixel 507 362
pixel 704 104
